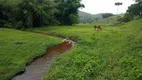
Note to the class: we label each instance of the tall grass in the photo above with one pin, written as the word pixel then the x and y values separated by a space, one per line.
pixel 17 48
pixel 115 53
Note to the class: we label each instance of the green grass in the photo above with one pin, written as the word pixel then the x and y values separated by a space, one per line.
pixel 115 53
pixel 17 48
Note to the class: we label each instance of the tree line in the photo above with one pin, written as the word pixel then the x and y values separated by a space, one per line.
pixel 21 14
pixel 134 11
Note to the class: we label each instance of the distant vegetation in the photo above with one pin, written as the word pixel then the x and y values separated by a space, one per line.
pixel 102 18
pixel 134 12
pixel 85 17
pixel 108 20
pixel 34 13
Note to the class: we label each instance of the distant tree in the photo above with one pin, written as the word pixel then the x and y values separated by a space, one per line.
pixel 105 15
pixel 135 10
pixel 138 0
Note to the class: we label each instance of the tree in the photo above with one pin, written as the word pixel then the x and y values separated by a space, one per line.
pixel 105 15
pixel 135 10
pixel 7 14
pixel 34 13
pixel 138 0
pixel 67 11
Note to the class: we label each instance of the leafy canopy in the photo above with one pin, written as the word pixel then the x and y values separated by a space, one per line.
pixel 34 13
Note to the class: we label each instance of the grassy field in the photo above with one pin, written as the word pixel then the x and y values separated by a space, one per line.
pixel 17 48
pixel 115 53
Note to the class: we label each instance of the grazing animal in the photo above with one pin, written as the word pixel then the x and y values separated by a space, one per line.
pixel 97 27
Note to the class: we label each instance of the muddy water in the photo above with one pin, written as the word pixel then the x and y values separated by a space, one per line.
pixel 37 69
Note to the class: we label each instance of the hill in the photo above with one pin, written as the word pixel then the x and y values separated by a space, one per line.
pixel 98 18
pixel 109 20
pixel 98 15
pixel 85 17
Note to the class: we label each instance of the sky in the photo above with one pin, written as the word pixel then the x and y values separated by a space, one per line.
pixel 105 6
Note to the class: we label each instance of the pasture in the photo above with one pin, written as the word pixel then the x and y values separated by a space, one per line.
pixel 115 53
pixel 18 48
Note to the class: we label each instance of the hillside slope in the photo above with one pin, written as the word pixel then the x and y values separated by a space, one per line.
pixel 115 53
pixel 98 18
pixel 85 17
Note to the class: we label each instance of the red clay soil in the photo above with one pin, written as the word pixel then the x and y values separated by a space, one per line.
pixel 37 69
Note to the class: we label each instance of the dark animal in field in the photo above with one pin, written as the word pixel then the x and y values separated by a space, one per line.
pixel 97 27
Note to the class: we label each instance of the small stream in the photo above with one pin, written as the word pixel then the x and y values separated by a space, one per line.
pixel 37 69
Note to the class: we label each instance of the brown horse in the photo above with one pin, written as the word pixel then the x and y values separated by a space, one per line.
pixel 97 26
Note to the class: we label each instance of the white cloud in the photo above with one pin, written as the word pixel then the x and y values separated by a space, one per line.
pixel 103 6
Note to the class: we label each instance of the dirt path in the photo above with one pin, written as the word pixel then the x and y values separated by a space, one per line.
pixel 37 69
